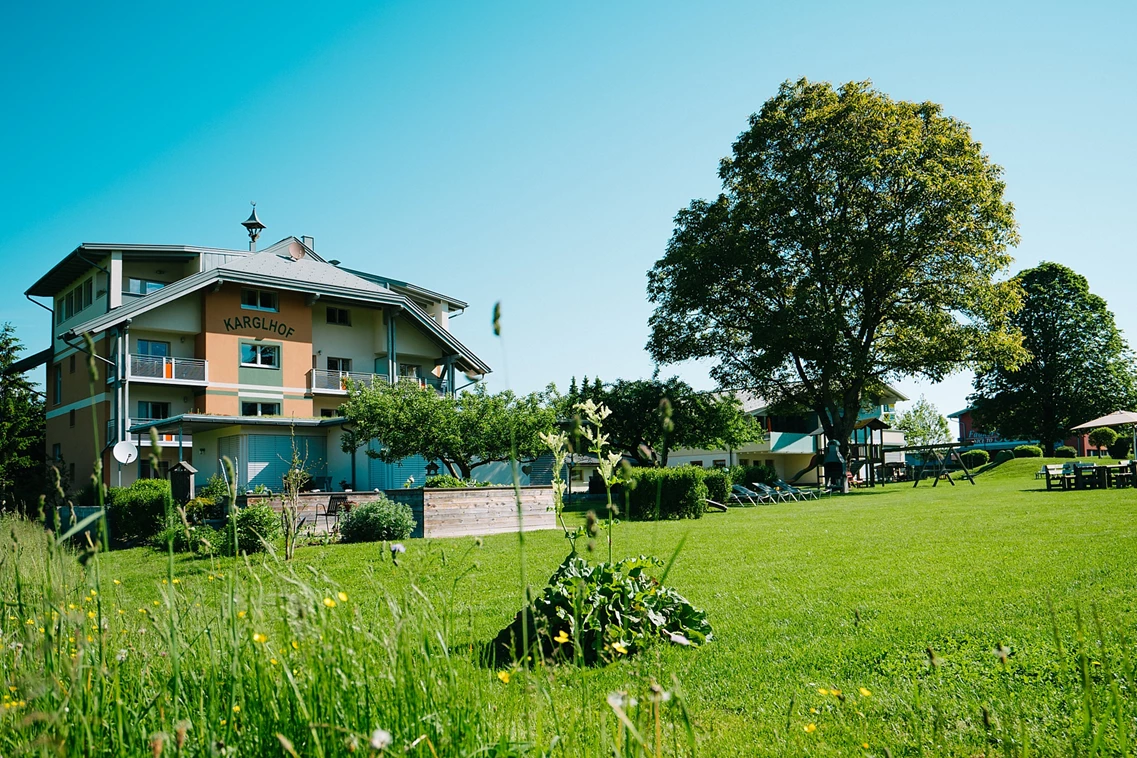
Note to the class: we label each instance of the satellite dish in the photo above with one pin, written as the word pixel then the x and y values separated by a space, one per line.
pixel 125 452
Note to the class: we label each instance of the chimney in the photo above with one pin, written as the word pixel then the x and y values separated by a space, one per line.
pixel 310 242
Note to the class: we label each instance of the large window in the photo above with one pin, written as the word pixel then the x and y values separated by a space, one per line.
pixel 341 316
pixel 259 300
pixel 146 471
pixel 153 348
pixel 57 389
pixel 149 409
pixel 339 364
pixel 142 286
pixel 259 408
pixel 263 356
pixel 408 371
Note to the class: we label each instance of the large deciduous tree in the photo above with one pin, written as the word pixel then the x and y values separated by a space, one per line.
pixel 857 239
pixel 464 431
pixel 923 424
pixel 21 429
pixel 640 427
pixel 1080 366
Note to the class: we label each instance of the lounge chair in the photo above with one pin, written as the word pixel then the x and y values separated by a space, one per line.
pixel 799 494
pixel 745 496
pixel 773 494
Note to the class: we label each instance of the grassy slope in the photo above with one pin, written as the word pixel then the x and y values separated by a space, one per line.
pixel 846 592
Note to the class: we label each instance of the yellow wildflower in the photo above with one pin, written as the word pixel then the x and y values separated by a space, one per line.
pixel 272 661
pixel 258 637
pixel 177 581
pixel 90 614
pixel 620 648
pixel 211 577
pixel 241 614
pixel 835 693
pixel 72 606
pixel 94 592
pixel 865 692
pixel 865 745
pixel 822 691
pixel 810 728
pixel 295 645
pixel 236 709
pixel 165 581
pixel 503 676
pixel 329 602
pixel 342 596
pixel 562 637
pixel 116 581
pixel 813 710
pixel 156 603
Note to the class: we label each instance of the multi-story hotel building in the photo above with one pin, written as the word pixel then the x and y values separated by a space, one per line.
pixel 231 353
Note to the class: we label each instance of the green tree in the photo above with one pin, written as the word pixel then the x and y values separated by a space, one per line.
pixel 1080 366
pixel 21 429
pixel 922 424
pixel 1102 437
pixel 466 431
pixel 858 239
pixel 643 427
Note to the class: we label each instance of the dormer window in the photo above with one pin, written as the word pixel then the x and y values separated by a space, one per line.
pixel 259 300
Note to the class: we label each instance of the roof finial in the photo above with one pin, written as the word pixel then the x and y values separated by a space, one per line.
pixel 254 225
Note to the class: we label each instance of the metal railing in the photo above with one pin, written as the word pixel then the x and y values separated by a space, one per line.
pixel 323 380
pixel 167 369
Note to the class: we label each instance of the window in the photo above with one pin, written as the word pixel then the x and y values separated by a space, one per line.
pixel 328 413
pixel 408 371
pixel 57 452
pixel 148 409
pixel 719 463
pixel 146 471
pixel 60 304
pixel 259 300
pixel 153 348
pixel 71 416
pixel 71 368
pixel 142 286
pixel 257 408
pixel 57 390
pixel 339 364
pixel 577 474
pixel 341 316
pixel 264 356
pixel 88 293
pixel 70 308
pixel 697 463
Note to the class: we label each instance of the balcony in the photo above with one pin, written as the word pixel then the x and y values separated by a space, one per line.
pixel 325 382
pixel 167 370
pixel 165 439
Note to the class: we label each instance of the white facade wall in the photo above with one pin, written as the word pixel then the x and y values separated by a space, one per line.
pixel 356 342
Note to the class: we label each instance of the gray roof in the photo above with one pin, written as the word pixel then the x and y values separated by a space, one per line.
pixel 202 421
pixel 276 269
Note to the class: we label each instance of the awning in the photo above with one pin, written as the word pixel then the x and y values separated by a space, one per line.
pixel 1117 418
pixel 189 423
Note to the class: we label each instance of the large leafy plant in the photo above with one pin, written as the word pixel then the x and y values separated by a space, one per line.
pixel 598 613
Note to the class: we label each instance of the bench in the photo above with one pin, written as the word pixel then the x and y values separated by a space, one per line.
pixel 1059 475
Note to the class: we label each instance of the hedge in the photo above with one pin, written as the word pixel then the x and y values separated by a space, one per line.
pixel 758 473
pixel 1028 451
pixel 1065 452
pixel 681 493
pixel 139 511
pixel 1003 456
pixel 975 458
pixel 718 483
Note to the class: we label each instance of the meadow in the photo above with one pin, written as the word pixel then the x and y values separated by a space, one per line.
pixel 993 619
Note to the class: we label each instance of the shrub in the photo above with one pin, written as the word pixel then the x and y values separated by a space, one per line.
pixel 201 508
pixel 138 512
pixel 216 490
pixel 1028 451
pixel 1065 452
pixel 254 524
pixel 1121 448
pixel 975 458
pixel 381 519
pixel 758 473
pixel 199 538
pixel 681 493
pixel 620 604
pixel 446 481
pixel 1003 456
pixel 718 484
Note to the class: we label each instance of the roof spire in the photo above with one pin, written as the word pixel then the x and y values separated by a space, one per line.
pixel 254 226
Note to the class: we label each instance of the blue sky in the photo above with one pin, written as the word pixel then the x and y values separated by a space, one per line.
pixel 533 153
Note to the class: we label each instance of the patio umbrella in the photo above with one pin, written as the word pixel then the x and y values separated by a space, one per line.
pixel 1117 418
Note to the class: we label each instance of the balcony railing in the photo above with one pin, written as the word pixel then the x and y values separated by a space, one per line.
pixel 167 370
pixel 323 381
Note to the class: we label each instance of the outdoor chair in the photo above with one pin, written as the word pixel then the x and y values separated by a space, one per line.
pixel 744 495
pixel 773 494
pixel 799 494
pixel 335 507
pixel 1055 476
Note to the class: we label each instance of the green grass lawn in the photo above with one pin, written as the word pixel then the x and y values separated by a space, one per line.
pixel 846 593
